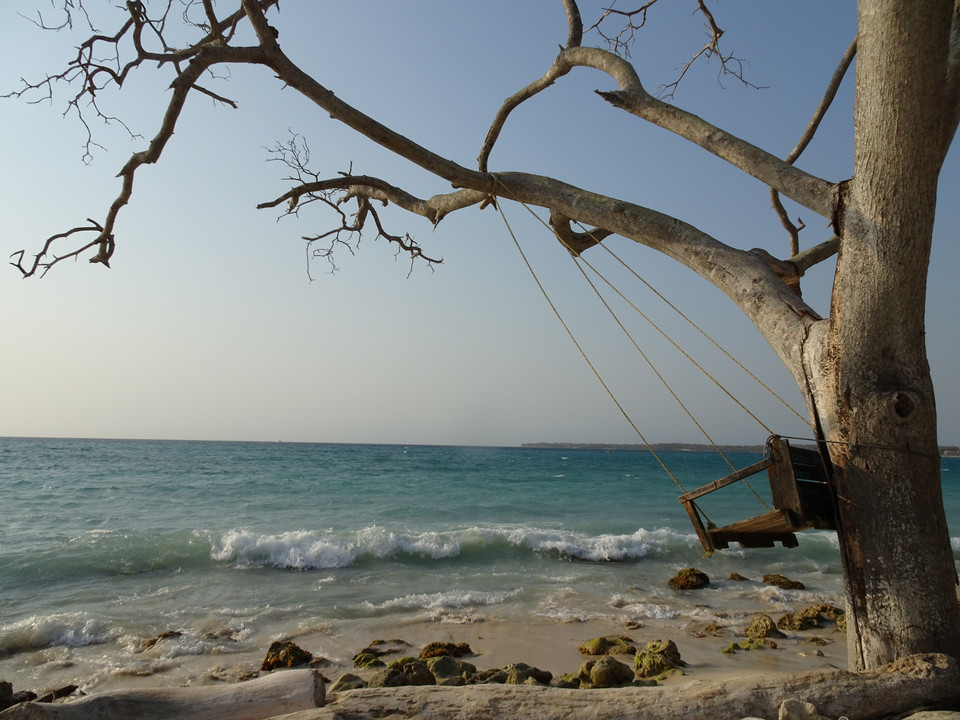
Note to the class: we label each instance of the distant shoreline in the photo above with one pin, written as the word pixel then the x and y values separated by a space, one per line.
pixel 945 451
pixel 658 447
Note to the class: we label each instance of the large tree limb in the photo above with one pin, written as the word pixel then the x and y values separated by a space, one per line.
pixel 918 681
pixel 810 191
pixel 750 279
pixel 281 692
pixel 753 280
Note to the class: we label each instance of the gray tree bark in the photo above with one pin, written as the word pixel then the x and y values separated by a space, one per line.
pixel 875 396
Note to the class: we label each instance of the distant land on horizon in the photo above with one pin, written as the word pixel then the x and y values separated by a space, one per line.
pixel 659 447
pixel 945 450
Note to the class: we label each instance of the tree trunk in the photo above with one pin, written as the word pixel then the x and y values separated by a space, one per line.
pixel 877 404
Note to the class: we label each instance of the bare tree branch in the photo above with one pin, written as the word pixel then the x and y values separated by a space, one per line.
pixel 818 115
pixel 636 19
pixel 575 242
pixel 620 42
pixel 806 189
pixel 41 265
pixel 805 260
pixel 574 38
pixel 754 285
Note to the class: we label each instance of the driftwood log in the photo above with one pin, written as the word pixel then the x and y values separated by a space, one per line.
pixel 915 682
pixel 282 692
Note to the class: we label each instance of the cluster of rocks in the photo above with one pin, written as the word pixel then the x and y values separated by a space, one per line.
pixel 761 631
pixel 442 663
pixel 658 660
pixel 694 579
pixel 9 698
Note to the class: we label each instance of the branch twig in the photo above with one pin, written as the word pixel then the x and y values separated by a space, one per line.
pixel 794 230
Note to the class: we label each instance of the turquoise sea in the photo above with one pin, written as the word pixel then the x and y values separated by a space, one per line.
pixel 107 543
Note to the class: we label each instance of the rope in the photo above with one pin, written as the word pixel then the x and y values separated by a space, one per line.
pixel 643 354
pixel 680 349
pixel 707 336
pixel 583 353
pixel 659 376
pixel 891 448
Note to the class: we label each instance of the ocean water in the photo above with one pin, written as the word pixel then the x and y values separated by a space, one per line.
pixel 106 544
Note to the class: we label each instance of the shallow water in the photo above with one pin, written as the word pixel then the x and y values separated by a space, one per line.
pixel 109 543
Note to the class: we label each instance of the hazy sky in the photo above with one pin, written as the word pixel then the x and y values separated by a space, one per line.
pixel 208 327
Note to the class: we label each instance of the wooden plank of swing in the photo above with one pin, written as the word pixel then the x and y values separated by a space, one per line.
pixel 783 479
pixel 728 480
pixel 788 540
pixel 776 522
pixel 705 540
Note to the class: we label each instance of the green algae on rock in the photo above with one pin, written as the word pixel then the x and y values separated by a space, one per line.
pixel 762 626
pixel 689 579
pixel 659 659
pixel 285 654
pixel 607 645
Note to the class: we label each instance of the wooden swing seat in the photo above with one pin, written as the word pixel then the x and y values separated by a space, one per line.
pixel 799 488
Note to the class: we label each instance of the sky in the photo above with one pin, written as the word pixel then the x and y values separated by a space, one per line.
pixel 210 324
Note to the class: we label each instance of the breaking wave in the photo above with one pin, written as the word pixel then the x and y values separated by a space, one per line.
pixel 310 550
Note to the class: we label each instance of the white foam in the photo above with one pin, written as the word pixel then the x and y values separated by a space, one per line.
pixel 445 600
pixel 308 550
pixel 61 630
pixel 304 550
pixel 601 548
pixel 299 550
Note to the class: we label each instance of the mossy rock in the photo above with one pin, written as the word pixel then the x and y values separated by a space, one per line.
pixel 285 654
pixel 388 677
pixel 822 612
pixel 448 670
pixel 488 677
pixel 608 672
pixel 758 644
pixel 658 660
pixel 667 648
pixel 367 660
pixel 652 665
pixel 607 645
pixel 737 577
pixel 796 622
pixel 570 681
pixel 689 579
pixel 439 649
pixel 400 662
pixel 762 626
pixel 732 648
pixel 348 681
pixel 416 672
pixel 699 630
pixel 782 582
pixel 842 623
pixel 522 674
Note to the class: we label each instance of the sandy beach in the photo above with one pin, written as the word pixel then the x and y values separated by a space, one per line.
pixel 550 646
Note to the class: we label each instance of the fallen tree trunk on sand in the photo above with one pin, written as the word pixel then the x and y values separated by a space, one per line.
pixel 914 682
pixel 282 692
